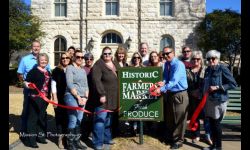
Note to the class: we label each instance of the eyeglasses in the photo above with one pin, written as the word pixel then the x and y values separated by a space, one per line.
pixel 186 51
pixel 78 57
pixel 65 58
pixel 106 53
pixel 153 56
pixel 136 57
pixel 88 59
pixel 213 58
pixel 167 53
pixel 196 59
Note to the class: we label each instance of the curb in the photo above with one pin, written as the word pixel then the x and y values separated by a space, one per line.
pixel 14 144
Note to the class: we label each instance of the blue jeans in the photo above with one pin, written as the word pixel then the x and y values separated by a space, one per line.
pixel 101 128
pixel 207 128
pixel 25 112
pixel 74 116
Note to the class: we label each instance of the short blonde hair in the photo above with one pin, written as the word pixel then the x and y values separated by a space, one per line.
pixel 198 54
pixel 42 55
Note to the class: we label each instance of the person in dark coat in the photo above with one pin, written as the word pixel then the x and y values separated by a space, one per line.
pixel 36 125
pixel 105 97
pixel 58 86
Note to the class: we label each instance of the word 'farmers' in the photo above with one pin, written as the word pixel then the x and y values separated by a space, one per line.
pixel 144 75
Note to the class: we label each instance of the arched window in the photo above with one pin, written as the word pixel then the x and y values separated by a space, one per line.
pixel 166 41
pixel 111 38
pixel 60 7
pixel 60 46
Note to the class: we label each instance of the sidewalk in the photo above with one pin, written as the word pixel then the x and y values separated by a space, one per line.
pixel 231 134
pixel 232 143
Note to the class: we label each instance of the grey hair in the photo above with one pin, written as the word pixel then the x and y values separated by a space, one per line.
pixel 199 54
pixel 213 53
pixel 42 55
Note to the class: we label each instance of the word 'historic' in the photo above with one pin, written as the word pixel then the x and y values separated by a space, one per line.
pixel 154 74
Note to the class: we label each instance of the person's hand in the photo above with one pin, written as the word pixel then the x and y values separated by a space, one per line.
pixel 160 83
pixel 158 90
pixel 26 84
pixel 84 99
pixel 103 99
pixel 213 88
pixel 55 101
pixel 80 101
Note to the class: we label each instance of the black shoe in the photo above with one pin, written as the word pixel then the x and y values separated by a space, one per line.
pixel 42 141
pixel 33 145
pixel 176 145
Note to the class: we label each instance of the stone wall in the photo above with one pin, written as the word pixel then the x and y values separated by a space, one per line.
pixel 180 26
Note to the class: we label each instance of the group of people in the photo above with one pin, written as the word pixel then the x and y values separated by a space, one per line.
pixel 79 82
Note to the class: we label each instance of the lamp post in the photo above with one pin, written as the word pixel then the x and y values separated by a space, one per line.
pixel 90 44
pixel 129 41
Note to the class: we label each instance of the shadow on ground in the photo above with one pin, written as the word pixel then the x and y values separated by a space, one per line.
pixel 15 126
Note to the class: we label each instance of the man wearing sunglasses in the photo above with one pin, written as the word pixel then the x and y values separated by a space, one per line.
pixel 186 57
pixel 174 88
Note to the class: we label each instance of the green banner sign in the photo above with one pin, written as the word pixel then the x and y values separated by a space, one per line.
pixel 135 101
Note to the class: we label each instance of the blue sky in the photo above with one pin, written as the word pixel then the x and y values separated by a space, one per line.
pixel 214 4
pixel 223 4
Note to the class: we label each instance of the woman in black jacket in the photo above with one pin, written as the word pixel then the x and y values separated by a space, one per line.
pixel 58 86
pixel 36 126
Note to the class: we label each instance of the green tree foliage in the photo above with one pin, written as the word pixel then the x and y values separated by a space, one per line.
pixel 221 30
pixel 23 27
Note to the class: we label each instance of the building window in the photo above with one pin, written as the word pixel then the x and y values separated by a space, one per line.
pixel 60 8
pixel 166 41
pixel 166 7
pixel 112 7
pixel 111 38
pixel 59 47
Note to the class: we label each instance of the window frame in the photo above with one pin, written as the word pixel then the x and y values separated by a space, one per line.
pixel 117 38
pixel 169 37
pixel 165 2
pixel 111 12
pixel 60 3
pixel 60 51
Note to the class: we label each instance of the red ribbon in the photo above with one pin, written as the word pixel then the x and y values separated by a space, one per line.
pixel 106 110
pixel 152 90
pixel 40 94
pixel 193 125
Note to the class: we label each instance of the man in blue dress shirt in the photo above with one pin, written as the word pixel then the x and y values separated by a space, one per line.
pixel 26 64
pixel 174 86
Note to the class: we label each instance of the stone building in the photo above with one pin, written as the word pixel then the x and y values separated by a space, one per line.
pixel 112 22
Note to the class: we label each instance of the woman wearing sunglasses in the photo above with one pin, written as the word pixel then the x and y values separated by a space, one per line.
pixel 218 79
pixel 76 95
pixel 136 60
pixel 58 86
pixel 195 76
pixel 103 96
